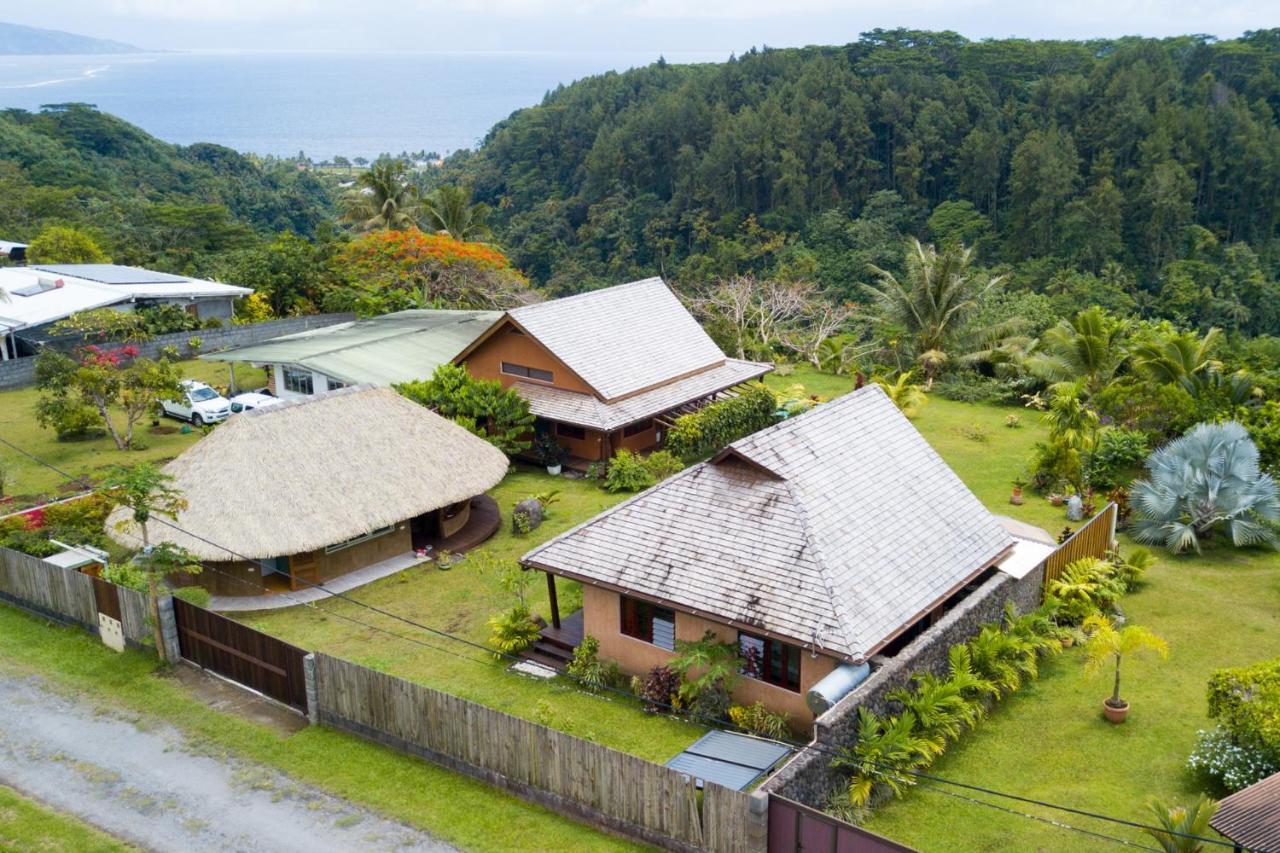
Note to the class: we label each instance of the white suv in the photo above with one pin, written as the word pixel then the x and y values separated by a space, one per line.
pixel 200 404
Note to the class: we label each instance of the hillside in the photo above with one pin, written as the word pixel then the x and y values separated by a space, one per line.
pixel 146 201
pixel 1139 173
pixel 32 41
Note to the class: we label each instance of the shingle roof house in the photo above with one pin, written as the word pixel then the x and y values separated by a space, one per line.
pixel 606 361
pixel 832 533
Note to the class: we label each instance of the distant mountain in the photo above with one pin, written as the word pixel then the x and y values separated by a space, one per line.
pixel 17 39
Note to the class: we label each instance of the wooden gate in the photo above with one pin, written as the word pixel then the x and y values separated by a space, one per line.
pixel 1093 539
pixel 258 661
pixel 106 597
pixel 796 828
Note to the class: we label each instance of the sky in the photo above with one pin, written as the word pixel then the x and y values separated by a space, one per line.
pixel 667 27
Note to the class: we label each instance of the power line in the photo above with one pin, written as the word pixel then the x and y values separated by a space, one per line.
pixel 709 721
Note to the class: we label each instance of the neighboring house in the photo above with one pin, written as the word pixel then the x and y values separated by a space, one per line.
pixel 39 296
pixel 15 252
pixel 1251 817
pixel 819 542
pixel 308 490
pixel 607 369
pixel 386 350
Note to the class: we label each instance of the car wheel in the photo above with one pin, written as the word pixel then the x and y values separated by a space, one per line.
pixel 196 420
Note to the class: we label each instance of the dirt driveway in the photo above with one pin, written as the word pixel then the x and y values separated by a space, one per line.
pixel 142 783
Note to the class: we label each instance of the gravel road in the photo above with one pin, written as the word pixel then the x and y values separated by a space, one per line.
pixel 144 783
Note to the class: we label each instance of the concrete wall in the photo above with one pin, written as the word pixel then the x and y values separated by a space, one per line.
pixel 602 619
pixel 808 778
pixel 21 371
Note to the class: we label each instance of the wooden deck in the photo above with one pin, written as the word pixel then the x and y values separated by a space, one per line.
pixel 554 647
pixel 483 523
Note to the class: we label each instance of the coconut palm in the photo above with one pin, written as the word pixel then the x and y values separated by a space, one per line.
pixel 1178 823
pixel 449 210
pixel 1108 645
pixel 929 307
pixel 1177 358
pixel 904 393
pixel 382 198
pixel 1206 479
pixel 1089 348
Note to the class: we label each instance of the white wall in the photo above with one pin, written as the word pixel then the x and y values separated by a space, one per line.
pixel 319 384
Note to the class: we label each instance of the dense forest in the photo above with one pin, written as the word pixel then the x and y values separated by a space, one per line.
pixel 142 200
pixel 1139 174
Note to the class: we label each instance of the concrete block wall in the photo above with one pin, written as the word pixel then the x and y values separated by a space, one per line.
pixel 809 778
pixel 21 371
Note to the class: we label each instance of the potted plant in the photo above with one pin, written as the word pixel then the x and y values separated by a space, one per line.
pixel 1106 644
pixel 1019 483
pixel 551 453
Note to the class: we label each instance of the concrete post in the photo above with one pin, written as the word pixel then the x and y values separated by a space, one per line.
pixel 169 629
pixel 758 822
pixel 313 692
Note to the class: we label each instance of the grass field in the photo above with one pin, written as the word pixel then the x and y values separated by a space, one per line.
pixel 462 811
pixel 91 456
pixel 28 826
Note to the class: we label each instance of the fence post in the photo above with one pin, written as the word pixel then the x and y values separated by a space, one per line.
pixel 757 834
pixel 313 692
pixel 172 652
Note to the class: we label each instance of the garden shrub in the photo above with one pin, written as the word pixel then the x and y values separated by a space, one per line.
pixel 627 473
pixel 718 665
pixel 498 415
pixel 760 720
pixel 512 631
pixel 1222 762
pixel 1263 424
pixel 80 521
pixel 1118 449
pixel 126 575
pixel 591 672
pixel 722 423
pixel 971 387
pixel 197 595
pixel 658 689
pixel 1245 701
pixel 663 464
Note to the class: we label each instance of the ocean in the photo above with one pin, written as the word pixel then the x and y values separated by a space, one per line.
pixel 325 104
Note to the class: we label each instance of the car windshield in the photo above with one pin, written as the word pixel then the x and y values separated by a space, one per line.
pixel 199 395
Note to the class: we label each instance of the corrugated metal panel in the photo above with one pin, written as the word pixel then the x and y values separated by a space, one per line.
pixel 1251 818
pixel 729 759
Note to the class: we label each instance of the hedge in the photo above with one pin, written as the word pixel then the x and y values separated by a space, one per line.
pixel 722 423
pixel 1246 702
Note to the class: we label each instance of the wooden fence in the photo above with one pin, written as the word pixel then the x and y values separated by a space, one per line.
pixel 565 773
pixel 1093 539
pixel 66 595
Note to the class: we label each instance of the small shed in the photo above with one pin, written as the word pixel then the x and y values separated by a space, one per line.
pixel 1251 818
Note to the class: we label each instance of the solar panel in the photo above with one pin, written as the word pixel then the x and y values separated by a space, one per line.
pixel 113 274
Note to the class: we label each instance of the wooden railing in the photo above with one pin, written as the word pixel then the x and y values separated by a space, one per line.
pixel 1093 539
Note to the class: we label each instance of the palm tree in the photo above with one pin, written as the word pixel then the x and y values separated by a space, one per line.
pixel 905 394
pixel 1109 644
pixel 449 210
pixel 1179 823
pixel 382 198
pixel 1089 348
pixel 1177 358
pixel 1207 478
pixel 931 304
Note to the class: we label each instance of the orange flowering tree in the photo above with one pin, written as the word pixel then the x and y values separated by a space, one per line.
pixel 394 270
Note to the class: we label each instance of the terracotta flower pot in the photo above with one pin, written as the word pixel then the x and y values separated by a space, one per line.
pixel 1016 497
pixel 1114 714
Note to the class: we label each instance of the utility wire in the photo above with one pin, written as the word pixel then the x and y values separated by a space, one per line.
pixel 706 720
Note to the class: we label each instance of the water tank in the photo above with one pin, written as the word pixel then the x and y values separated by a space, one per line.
pixel 836 685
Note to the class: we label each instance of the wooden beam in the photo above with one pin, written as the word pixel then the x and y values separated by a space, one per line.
pixel 555 602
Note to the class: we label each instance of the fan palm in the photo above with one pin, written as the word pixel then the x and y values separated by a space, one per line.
pixel 382 198
pixel 1089 348
pixel 1179 822
pixel 1108 644
pixel 1208 478
pixel 449 210
pixel 931 304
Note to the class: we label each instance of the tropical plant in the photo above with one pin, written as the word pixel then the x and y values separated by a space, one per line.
pixel 1090 348
pixel 960 671
pixel 1108 645
pixel 760 720
pixel 887 754
pixel 383 197
pixel 723 422
pixel 1182 827
pixel 1130 567
pixel 1177 357
pixel 1073 429
pixel 709 668
pixel 939 705
pixel 449 209
pixel 658 689
pixel 1245 701
pixel 927 308
pixel 587 668
pixel 498 415
pixel 1005 660
pixel 905 394
pixel 1116 451
pixel 1085 587
pixel 512 631
pixel 1228 765
pixel 663 464
pixel 1207 479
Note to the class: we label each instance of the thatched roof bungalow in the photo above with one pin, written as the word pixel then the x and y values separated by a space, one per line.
pixel 313 488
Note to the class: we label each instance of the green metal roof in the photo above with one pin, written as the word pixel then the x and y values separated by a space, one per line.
pixel 384 350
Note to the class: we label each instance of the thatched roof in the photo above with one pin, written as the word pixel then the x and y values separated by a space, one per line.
pixel 319 470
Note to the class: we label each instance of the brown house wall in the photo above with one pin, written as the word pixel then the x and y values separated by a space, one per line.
pixel 329 566
pixel 485 362
pixel 646 440
pixel 602 619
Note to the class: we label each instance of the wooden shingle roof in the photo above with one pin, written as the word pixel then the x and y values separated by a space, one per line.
pixel 836 529
pixel 622 340
pixel 1251 817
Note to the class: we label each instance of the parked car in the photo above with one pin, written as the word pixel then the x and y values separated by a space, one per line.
pixel 251 400
pixel 200 404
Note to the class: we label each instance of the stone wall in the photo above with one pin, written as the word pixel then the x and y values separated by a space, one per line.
pixel 21 371
pixel 808 778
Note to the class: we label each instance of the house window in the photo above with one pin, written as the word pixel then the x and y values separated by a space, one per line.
pixel 297 381
pixel 770 660
pixel 526 372
pixel 334 384
pixel 650 622
pixel 637 428
pixel 356 540
pixel 570 431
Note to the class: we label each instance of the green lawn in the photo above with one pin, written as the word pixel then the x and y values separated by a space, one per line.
pixel 30 826
pixel 91 456
pixel 1049 741
pixel 459 810
pixel 460 601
